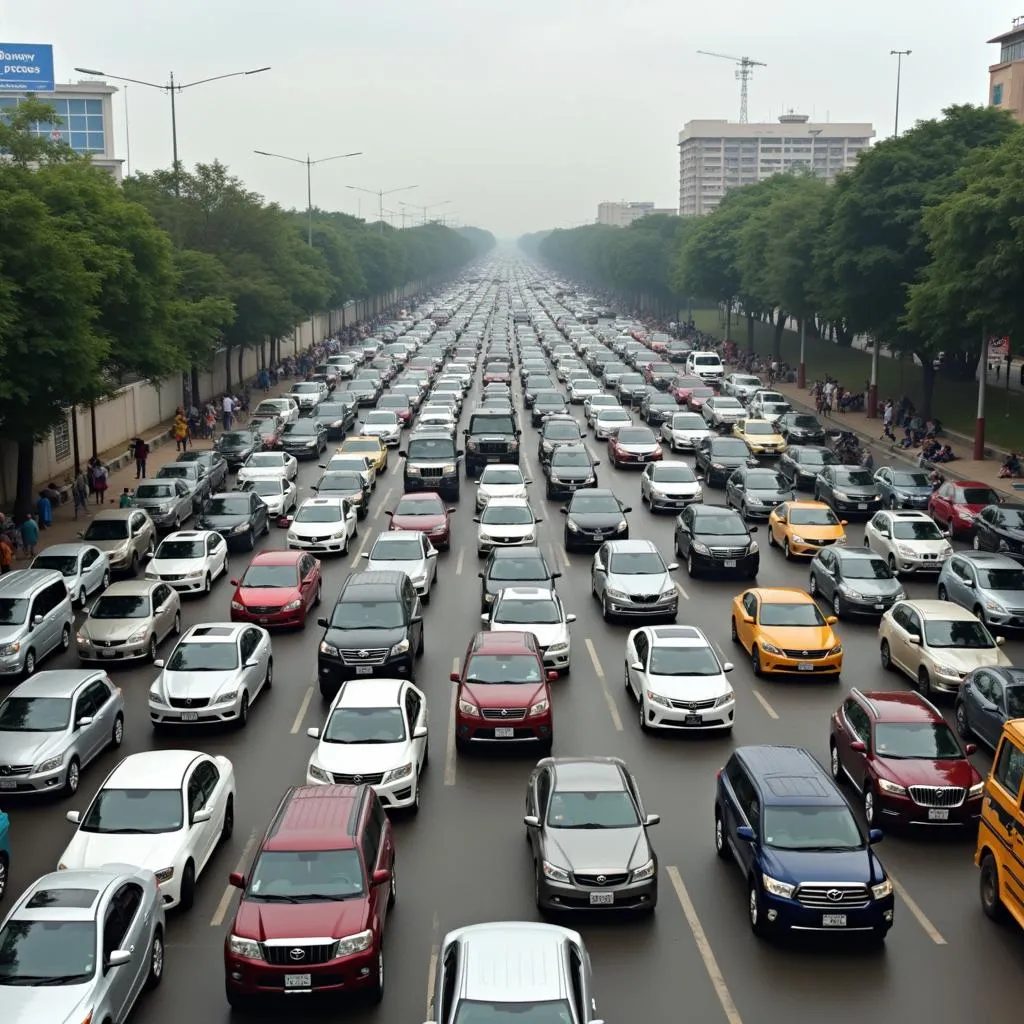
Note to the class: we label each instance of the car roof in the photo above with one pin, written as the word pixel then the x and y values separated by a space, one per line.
pixel 316 818
pixel 61 682
pixel 115 513
pixel 988 559
pixel 898 706
pixel 151 769
pixel 714 511
pixel 618 547
pixel 504 501
pixel 85 885
pixel 789 775
pixel 370 693
pixel 782 595
pixel 526 594
pixel 933 609
pixel 130 588
pixel 71 548
pixel 518 550
pixel 854 552
pixel 515 641
pixel 806 503
pixel 908 514
pixel 191 535
pixel 213 632
pixel 678 636
pixel 276 558
pixel 584 773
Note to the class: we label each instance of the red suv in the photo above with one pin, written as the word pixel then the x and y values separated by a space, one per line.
pixel 899 753
pixel 503 693
pixel 325 868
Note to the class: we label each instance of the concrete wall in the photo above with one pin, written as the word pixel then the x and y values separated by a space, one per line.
pixel 139 409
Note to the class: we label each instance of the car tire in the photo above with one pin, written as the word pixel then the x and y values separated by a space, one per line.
pixel 243 712
pixel 134 567
pixel 644 727
pixel 83 598
pixel 785 549
pixel 721 846
pixel 268 679
pixel 837 605
pixel 963 727
pixel 691 567
pixel 151 649
pixel 988 886
pixel 812 585
pixel 979 614
pixel 893 567
pixel 771 538
pixel 885 655
pixel 943 594
pixel 734 633
pixel 65 637
pixel 155 973
pixel 975 543
pixel 73 777
pixel 754 915
pixel 924 683
pixel 605 614
pixel 117 732
pixel 250 539
pixel 228 824
pixel 869 806
pixel 187 898
pixel 755 661
pixel 835 766
pixel 393 884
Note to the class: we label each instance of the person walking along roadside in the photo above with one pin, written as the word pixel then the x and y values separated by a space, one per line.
pixel 140 452
pixel 29 535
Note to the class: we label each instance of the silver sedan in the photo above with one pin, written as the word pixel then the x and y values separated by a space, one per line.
pixel 129 621
pixel 406 551
pixel 86 569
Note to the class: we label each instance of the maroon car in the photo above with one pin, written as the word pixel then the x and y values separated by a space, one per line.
pixel 698 396
pixel 268 428
pixel 908 765
pixel 425 512
pixel 681 387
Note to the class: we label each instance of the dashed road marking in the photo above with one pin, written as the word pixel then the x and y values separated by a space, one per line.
pixel 303 708
pixel 599 672
pixel 435 951
pixel 762 700
pixel 229 890
pixel 449 756
pixel 682 592
pixel 387 497
pixel 927 927
pixel 459 561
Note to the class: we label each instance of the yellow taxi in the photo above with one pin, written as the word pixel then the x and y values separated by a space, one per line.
pixel 371 448
pixel 803 528
pixel 1000 850
pixel 784 632
pixel 761 436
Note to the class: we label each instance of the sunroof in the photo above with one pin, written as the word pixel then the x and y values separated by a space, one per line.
pixel 77 899
pixel 796 785
pixel 676 633
pixel 212 631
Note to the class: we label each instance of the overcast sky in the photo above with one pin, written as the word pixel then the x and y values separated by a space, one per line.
pixel 525 113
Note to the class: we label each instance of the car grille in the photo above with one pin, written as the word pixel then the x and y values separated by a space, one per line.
pixel 493 447
pixel 599 881
pixel 823 543
pixel 505 714
pixel 8 770
pixel 937 796
pixel 825 897
pixel 188 702
pixel 172 579
pixel 432 471
pixel 728 552
pixel 806 655
pixel 287 956
pixel 643 598
pixel 694 705
pixel 358 780
pixel 111 643
pixel 315 540
pixel 264 609
pixel 365 656
pixel 508 540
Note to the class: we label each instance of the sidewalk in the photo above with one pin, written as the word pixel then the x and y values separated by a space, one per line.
pixel 869 431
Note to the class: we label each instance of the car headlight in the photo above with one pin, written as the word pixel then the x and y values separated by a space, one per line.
pixel 882 890
pixel 769 648
pixel 777 888
pixel 469 708
pixel 753 500
pixel 400 648
pixel 248 948
pixel 727 698
pixel 152 574
pixel 841 495
pixel 539 708
pixel 657 698
pixel 841 540
pixel 838 649
pixel 240 528
pixel 622 527
pixel 616 595
pixel 81 639
pixel 316 772
pixel 906 550
pixel 292 606
pixel 798 540
pixel 292 535
pixel 49 765
pixel 237 606
pixel 555 873
pixel 226 697
pixel 848 591
pixel 753 549
pixel 398 773
pixel 667 593
pixel 412 470
pixel 993 606
pixel 948 671
pixel 328 649
pixel 572 527
pixel 164 875
pixel 353 943
pixel 558 648
pixel 486 537
pixel 891 788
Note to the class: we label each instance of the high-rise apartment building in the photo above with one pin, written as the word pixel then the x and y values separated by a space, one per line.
pixel 715 156
pixel 1006 77
pixel 621 215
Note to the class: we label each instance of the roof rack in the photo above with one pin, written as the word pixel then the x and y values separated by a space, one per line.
pixel 867 701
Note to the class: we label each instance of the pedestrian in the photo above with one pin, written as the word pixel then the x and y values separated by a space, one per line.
pixel 228 407
pixel 100 481
pixel 6 554
pixel 29 530
pixel 140 450
pixel 44 509
pixel 80 493
pixel 179 431
pixel 126 500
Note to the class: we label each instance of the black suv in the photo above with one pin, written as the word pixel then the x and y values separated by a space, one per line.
pixel 432 464
pixel 491 437
pixel 715 539
pixel 375 629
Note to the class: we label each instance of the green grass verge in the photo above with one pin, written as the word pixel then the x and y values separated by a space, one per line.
pixel 954 402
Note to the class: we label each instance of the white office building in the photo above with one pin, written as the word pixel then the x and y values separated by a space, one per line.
pixel 715 156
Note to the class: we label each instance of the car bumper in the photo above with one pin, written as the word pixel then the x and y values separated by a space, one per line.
pixel 636 458
pixel 768 451
pixel 788 914
pixel 658 716
pixel 919 566
pixel 210 714
pixel 486 545
pixel 742 564
pixel 681 443
pixel 305 452
pixel 781 664
pixel 272 619
pixel 329 546
pixel 589 539
pixel 394 796
pixel 92 652
pixel 867 605
pixel 441 484
pixel 183 585
pixel 567 488
pixel 244 977
pixel 32 782
pixel 163 521
pixel 495 731
pixel 332 673
pixel 856 506
pixel 559 896
pixel 897 810
pixel 628 609
pixel 809 548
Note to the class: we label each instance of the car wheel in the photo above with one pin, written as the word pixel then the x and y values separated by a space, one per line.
pixel 837 605
pixel 975 543
pixel 188 887
pixel 117 733
pixel 65 637
pixel 721 847
pixel 268 679
pixel 30 662
pixel 870 811
pixel 785 549
pixel 891 503
pixel 943 593
pixel 835 767
pixel 250 539
pixel 228 824
pixel 963 727
pixel 771 538
pixel 319 594
pixel 73 777
pixel 243 712
pixel 893 567
pixel 605 613
pixel 644 727
pixel 177 521
pixel 134 568
pixel 812 585
pixel 691 567
pixel 734 633
pixel 151 651
pixel 83 598
pixel 886 655
pixel 757 925
pixel 991 902
pixel 979 614
pixel 924 682
pixel 755 661
pixel 156 960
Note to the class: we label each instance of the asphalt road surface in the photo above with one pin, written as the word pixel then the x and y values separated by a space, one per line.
pixel 463 860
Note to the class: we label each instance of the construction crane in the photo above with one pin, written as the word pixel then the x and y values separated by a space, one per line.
pixel 744 70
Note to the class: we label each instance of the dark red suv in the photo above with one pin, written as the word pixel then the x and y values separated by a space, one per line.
pixel 503 694
pixel 907 763
pixel 325 868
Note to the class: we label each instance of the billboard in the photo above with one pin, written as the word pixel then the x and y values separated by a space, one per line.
pixel 26 67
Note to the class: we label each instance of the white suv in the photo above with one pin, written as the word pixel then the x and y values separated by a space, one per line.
pixel 909 541
pixel 706 365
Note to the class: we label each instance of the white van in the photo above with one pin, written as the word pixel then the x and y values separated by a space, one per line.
pixel 705 365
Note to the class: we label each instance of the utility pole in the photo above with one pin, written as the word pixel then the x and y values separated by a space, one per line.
pixel 899 55
pixel 744 72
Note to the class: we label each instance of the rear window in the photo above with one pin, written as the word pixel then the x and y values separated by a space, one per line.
pixel 491 425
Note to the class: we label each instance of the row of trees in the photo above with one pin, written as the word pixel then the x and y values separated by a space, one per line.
pixel 100 283
pixel 920 246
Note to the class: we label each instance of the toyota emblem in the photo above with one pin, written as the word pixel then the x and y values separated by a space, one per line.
pixel 805 653
pixel 5 769
pixel 835 895
pixel 357 779
pixel 188 702
pixel 601 879
pixel 297 953
pixel 693 707
pixel 362 654
pixel 504 712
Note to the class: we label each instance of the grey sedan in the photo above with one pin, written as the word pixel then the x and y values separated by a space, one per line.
pixel 630 578
pixel 587 829
pixel 53 725
pixel 192 475
pixel 168 502
pixel 129 621
pixel 86 569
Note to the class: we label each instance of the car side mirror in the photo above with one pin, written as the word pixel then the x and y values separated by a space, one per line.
pixel 652 819
pixel 84 722
pixel 552 675
pixel 564 510
pixel 753 529
pixel 381 876
pixel 323 623
pixel 570 617
pixel 236 879
pixel 118 958
pixel 147 556
pixel 401 452
pixel 37 620
pixel 875 835
pixel 746 833
pixel 235 583
pixel 202 815
pixel 971 748
pixel 538 519
pixel 913 639
pixel 844 522
pixel 831 620
pixel 859 747
pixel 313 732
pixel 968 583
pixel 476 519
pixel 480 575
pixel 81 533
pixel 459 453
pixel 454 677
pixel 1000 640
pixel 74 817
pixel 748 618
pixel 672 566
pixel 388 513
pixel 531 821
pixel 556 575
pixel 420 732
pixel 628 508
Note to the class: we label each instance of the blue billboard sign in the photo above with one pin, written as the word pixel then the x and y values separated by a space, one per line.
pixel 26 67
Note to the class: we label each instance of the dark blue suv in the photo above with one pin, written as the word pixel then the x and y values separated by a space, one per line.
pixel 808 865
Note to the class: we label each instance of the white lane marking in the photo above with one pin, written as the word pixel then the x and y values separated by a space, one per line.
pixel 449 756
pixel 458 563
pixel 927 927
pixel 435 951
pixel 768 709
pixel 682 592
pixel 718 647
pixel 561 553
pixel 599 672
pixel 732 1015
pixel 386 498
pixel 229 890
pixel 303 708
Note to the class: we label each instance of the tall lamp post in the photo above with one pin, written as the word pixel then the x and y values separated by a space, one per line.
pixel 309 165
pixel 173 88
pixel 423 209
pixel 380 194
pixel 899 55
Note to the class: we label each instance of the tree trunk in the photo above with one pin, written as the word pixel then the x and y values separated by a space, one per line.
pixel 263 353
pixel 844 336
pixel 197 399
pixel 227 368
pixel 241 366
pixel 23 496
pixel 927 384
pixel 750 332
pixel 780 326
pixel 728 320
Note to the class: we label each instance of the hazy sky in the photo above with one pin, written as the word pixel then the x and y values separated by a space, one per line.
pixel 525 113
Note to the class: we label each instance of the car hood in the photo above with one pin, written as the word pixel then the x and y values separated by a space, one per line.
pixel 421 524
pixel 641 583
pixel 596 520
pixel 334 919
pixel 718 540
pixel 174 566
pixel 414 569
pixel 691 432
pixel 678 488
pixel 260 473
pixel 638 447
pixel 503 695
pixel 545 634
pixel 29 747
pixel 857 490
pixel 772 494
pixel 572 472
pixel 593 850
pixel 807 432
pixel 799 637
pixel 268 597
pixel 114 629
pixel 488 491
pixel 379 430
pixel 94 849
pixel 317 529
pixel 764 440
pixel 918 772
pixel 225 522
pixel 796 866
pixel 362 758
pixel 232 448
pixel 689 688
pixel 108 547
pixel 518 530
pixel 823 532
pixel 965 660
pixel 198 685
pixel 368 639
pixel 65 1004
pixel 715 459
pixel 873 587
pixel 1007 598
pixel 560 442
pixel 154 502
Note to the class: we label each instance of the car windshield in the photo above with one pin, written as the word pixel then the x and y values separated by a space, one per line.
pixel 181 549
pixel 265 460
pixel 747 382
pixel 331 409
pixel 790 827
pixel 383 419
pixel 365 725
pixel 106 529
pixel 1001 579
pixel 330 513
pixel 179 471
pixel 430 448
pixel 315 876
pixel 305 389
pixel 601 809
pixel 300 428
pixel 587 504
pixel 790 613
pixel 762 429
pixel 805 421
pixel 538 610
pixel 561 431
pixel 854 478
pixel 227 506
pixel 263 427
pixel 928 741
pixel 709 360
pixel 812 517
pixel 371 445
pixel 145 491
pixel 636 435
pixel 1011 518
pixel 915 529
pixel 570 458
pixel 491 425
pixel 35 714
pixel 730 446
pixel 265 488
pixel 134 812
pixel 274 577
pixel 816 457
pixel 506 515
pixel 196 656
pixel 978 496
pixel 550 398
pixel 720 526
pixel 413 506
pixel 500 477
pixel 762 480
pixel 52 952
pixel 910 480
pixel 519 568
pixel 368 615
pixel 66 565
pixel 864 569
pixel 503 668
pixel 688 421
pixel 961 633
pixel 683 661
pixel 397 548
pixel 635 563
pixel 121 606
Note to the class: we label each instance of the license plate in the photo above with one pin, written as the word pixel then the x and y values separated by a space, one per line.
pixel 805 666
pixel 602 899
pixel 730 563
pixel 833 920
pixel 190 716
pixel 598 535
pixel 879 607
pixel 364 670
pixel 298 981
pixel 938 814
pixel 8 784
pixel 108 654
pixel 492 458
pixel 263 622
pixel 692 720
pixel 862 505
pixel 504 733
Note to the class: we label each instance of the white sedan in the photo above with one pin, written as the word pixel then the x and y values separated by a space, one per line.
pixel 408 551
pixel 382 423
pixel 595 403
pixel 608 422
pixel 677 680
pixel 269 466
pixel 505 523
pixel 323 525
pixel 540 612
pixel 375 733
pixel 189 560
pixel 497 481
pixel 279 494
pixel 285 409
pixel 685 430
pixel 669 486
pixel 164 810
pixel 582 389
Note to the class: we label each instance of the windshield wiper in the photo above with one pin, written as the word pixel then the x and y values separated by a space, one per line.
pixel 40 980
pixel 593 825
pixel 59 979
pixel 122 831
pixel 273 897
pixel 333 897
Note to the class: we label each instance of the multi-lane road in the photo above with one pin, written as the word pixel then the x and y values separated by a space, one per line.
pixel 463 859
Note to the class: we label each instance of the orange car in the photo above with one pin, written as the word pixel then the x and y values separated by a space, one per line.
pixel 803 528
pixel 785 633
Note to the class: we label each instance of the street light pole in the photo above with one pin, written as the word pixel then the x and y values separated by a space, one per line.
pixel 423 209
pixel 310 164
pixel 380 194
pixel 979 424
pixel 899 55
